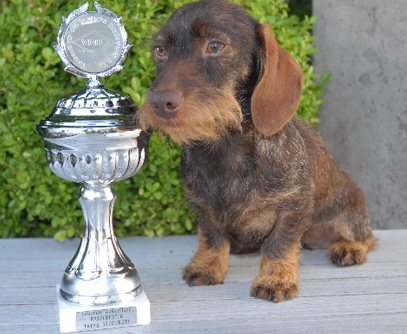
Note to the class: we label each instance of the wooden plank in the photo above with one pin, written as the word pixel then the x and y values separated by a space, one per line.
pixel 235 274
pixel 248 313
pixel 372 324
pixel 173 291
pixel 51 255
pixel 365 299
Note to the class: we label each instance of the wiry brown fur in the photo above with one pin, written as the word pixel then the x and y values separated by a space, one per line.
pixel 279 279
pixel 258 177
pixel 209 265
pixel 203 119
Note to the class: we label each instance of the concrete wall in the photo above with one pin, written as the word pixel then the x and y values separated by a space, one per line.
pixel 364 119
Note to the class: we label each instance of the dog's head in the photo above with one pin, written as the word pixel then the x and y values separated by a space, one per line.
pixel 217 67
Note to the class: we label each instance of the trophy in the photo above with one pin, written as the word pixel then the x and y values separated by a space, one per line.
pixel 92 137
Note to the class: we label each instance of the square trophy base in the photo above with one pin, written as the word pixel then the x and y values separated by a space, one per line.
pixel 78 318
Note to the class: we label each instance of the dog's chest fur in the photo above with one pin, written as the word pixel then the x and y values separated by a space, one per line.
pixel 240 183
pixel 220 174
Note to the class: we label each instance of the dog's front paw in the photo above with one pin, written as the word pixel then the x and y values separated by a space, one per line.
pixel 202 275
pixel 280 284
pixel 209 264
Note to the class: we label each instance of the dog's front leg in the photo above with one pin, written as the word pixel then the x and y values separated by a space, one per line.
pixel 279 278
pixel 210 263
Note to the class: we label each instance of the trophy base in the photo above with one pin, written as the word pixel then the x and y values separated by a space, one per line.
pixel 78 318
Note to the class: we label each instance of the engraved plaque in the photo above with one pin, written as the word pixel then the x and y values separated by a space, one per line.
pixel 106 318
pixel 92 43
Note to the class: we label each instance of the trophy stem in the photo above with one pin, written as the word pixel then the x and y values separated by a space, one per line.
pixel 100 273
pixel 93 82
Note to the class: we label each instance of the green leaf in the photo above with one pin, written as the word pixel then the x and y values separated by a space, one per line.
pixel 60 235
pixel 47 53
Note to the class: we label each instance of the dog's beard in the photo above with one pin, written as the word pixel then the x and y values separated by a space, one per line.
pixel 200 118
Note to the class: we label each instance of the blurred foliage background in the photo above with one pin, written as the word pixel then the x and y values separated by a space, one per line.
pixel 36 203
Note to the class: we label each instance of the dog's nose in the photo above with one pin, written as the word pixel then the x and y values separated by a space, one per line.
pixel 166 103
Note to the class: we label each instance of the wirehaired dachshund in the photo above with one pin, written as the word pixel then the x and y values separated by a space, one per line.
pixel 259 177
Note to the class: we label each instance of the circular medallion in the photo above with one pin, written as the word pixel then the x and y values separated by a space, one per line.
pixel 92 43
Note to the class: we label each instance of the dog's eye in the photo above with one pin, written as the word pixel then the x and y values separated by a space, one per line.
pixel 160 51
pixel 215 47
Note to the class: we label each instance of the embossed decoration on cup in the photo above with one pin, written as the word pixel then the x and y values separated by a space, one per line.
pixel 92 43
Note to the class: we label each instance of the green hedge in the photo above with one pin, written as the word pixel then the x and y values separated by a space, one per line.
pixel 36 203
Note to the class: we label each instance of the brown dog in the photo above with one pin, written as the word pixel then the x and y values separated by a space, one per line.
pixel 258 177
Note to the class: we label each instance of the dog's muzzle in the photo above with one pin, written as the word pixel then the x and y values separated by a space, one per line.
pixel 166 103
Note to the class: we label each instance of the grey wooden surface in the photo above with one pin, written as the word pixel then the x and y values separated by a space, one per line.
pixel 363 299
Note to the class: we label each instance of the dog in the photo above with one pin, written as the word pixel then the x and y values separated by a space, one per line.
pixel 259 177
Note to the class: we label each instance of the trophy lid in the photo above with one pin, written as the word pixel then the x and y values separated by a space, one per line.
pixel 93 106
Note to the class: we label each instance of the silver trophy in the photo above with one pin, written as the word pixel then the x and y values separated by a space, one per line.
pixel 91 137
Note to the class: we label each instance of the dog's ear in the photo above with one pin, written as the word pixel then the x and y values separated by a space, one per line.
pixel 278 90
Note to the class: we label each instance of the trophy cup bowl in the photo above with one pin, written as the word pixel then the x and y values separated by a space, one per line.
pixel 92 137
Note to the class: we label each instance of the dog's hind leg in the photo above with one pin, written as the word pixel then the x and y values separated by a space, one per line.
pixel 210 263
pixel 347 253
pixel 343 228
pixel 354 239
pixel 345 247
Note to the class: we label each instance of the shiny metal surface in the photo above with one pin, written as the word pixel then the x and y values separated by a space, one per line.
pixel 92 43
pixel 99 157
pixel 92 106
pixel 99 273
pixel 91 137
